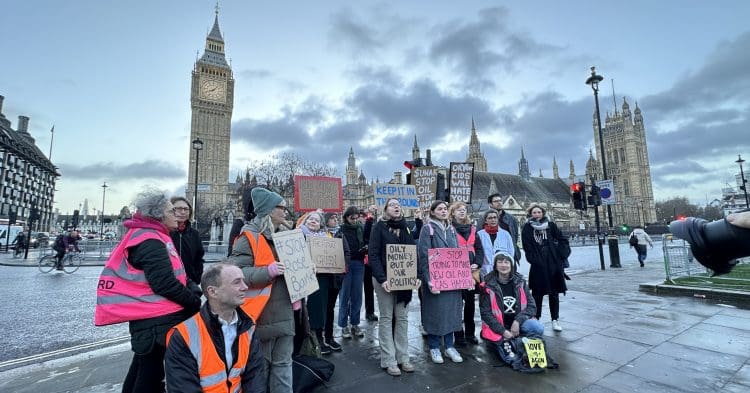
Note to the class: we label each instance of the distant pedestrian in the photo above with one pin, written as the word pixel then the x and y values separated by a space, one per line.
pixel 187 240
pixel 642 238
pixel 541 240
pixel 220 338
pixel 267 301
pixel 393 326
pixel 20 243
pixel 441 310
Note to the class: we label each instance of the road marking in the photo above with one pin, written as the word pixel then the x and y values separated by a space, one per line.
pixel 43 356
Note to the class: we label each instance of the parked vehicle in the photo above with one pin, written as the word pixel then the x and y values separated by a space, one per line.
pixel 39 239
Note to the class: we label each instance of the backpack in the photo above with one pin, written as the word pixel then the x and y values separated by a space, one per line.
pixel 309 372
pixel 59 243
pixel 633 240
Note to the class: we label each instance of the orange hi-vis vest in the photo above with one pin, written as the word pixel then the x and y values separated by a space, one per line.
pixel 123 294
pixel 256 299
pixel 212 371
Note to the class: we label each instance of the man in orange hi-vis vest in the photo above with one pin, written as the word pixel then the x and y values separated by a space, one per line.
pixel 216 350
pixel 267 300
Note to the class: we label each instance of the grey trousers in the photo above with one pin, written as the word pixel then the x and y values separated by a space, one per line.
pixel 277 355
pixel 394 341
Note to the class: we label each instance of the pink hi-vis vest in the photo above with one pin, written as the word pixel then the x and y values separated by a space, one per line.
pixel 468 243
pixel 487 333
pixel 123 294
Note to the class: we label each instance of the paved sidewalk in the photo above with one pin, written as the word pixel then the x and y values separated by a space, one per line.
pixel 615 339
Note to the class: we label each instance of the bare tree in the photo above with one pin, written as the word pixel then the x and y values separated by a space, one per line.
pixel 277 173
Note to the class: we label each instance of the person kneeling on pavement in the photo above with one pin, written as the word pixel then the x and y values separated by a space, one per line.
pixel 506 307
pixel 216 349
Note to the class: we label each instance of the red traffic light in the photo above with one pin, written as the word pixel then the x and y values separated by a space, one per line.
pixel 576 187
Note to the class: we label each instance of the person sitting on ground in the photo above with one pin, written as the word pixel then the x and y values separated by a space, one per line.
pixel 220 337
pixel 506 307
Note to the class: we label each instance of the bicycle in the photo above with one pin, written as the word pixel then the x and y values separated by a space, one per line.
pixel 70 262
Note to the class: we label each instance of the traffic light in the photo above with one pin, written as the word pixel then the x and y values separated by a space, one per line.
pixel 579 203
pixel 76 217
pixel 12 217
pixel 415 163
pixel 595 197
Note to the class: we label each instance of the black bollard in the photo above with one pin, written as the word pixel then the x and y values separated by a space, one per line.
pixel 614 251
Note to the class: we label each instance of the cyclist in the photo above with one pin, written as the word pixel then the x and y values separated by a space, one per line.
pixel 20 242
pixel 63 244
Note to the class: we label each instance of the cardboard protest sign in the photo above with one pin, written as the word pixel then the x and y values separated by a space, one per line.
pixel 536 352
pixel 327 254
pixel 405 193
pixel 449 269
pixel 318 192
pixel 460 181
pixel 425 182
pixel 294 253
pixel 401 266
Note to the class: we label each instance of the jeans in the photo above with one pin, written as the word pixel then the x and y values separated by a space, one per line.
pixel 642 251
pixel 277 364
pixel 433 341
pixel 393 337
pixel 530 328
pixel 350 297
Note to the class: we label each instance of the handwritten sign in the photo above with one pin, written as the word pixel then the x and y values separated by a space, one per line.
pixel 536 352
pixel 460 181
pixel 449 269
pixel 327 254
pixel 317 192
pixel 294 253
pixel 425 182
pixel 405 193
pixel 401 266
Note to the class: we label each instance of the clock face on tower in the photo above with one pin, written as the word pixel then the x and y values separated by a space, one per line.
pixel 213 90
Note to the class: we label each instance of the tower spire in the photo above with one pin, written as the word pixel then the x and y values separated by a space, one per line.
pixel 614 98
pixel 555 169
pixel 415 149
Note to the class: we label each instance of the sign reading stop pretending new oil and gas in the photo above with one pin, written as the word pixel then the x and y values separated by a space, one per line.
pixel 449 269
pixel 295 254
pixel 317 192
pixel 401 266
pixel 327 254
pixel 405 193
pixel 460 181
pixel 424 179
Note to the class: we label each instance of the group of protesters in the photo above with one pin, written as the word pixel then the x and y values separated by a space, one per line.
pixel 245 334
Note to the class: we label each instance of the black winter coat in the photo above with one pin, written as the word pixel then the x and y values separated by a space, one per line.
pixel 151 256
pixel 356 248
pixel 381 236
pixel 181 367
pixel 546 275
pixel 189 246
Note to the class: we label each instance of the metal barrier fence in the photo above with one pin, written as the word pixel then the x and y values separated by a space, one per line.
pixel 678 259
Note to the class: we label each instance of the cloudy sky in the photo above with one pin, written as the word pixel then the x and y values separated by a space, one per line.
pixel 315 78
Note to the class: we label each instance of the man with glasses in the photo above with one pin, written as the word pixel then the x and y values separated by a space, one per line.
pixel 187 240
pixel 506 222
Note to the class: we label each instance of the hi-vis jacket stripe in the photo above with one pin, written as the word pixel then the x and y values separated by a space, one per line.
pixel 487 332
pixel 211 369
pixel 123 293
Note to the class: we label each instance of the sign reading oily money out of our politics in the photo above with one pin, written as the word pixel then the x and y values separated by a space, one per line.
pixel 425 182
pixel 317 192
pixel 401 266
pixel 299 273
pixel 461 177
pixel 449 269
pixel 405 193
pixel 327 254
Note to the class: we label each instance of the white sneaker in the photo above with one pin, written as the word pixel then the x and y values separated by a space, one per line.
pixel 436 356
pixel 556 326
pixel 454 355
pixel 346 332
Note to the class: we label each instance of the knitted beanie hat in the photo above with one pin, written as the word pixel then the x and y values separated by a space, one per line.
pixel 265 200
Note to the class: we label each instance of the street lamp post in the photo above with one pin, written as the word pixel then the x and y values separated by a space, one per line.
pixel 104 194
pixel 614 251
pixel 742 177
pixel 197 146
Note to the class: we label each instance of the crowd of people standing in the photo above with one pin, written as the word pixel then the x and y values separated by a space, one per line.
pixel 162 244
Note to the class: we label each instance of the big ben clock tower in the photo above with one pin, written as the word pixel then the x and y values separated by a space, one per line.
pixel 211 101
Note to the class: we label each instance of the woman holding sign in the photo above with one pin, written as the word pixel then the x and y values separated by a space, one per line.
pixel 390 235
pixel 467 238
pixel 541 241
pixel 441 309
